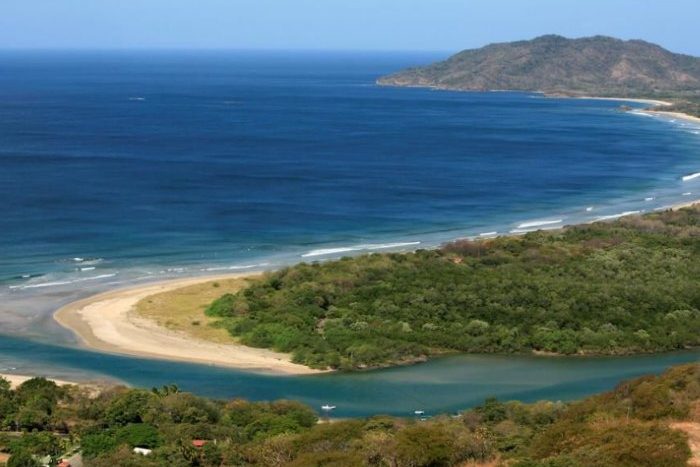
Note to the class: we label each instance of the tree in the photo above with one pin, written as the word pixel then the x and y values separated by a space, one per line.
pixel 128 407
pixel 422 445
pixel 139 435
pixel 22 459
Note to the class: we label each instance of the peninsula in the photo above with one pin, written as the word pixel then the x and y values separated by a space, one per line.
pixel 621 287
pixel 554 65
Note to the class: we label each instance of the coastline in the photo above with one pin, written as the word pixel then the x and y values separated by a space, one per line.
pixel 678 115
pixel 105 322
pixel 656 103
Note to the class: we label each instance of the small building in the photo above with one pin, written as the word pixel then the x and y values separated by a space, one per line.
pixel 63 463
pixel 143 451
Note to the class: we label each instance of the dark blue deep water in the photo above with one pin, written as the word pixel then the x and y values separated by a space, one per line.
pixel 122 167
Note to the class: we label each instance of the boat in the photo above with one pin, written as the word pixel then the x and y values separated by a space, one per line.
pixel 419 412
pixel 327 407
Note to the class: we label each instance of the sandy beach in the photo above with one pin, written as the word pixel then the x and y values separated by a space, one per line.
pixel 678 115
pixel 657 103
pixel 107 322
pixel 16 380
pixel 629 99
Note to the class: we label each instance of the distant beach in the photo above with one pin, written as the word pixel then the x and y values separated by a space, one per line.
pixel 678 115
pixel 627 99
pixel 657 103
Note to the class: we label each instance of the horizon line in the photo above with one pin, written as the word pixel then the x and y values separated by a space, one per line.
pixel 219 49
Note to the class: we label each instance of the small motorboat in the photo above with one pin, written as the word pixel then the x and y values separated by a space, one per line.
pixel 327 407
pixel 419 412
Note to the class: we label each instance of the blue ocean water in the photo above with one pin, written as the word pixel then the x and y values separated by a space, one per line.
pixel 118 167
pixel 182 159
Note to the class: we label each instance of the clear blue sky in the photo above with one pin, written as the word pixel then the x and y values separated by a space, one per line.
pixel 443 25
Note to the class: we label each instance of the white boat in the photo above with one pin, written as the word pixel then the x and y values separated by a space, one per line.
pixel 419 412
pixel 327 407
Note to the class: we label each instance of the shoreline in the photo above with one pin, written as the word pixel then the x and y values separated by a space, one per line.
pixel 639 100
pixel 656 102
pixel 16 380
pixel 678 115
pixel 105 322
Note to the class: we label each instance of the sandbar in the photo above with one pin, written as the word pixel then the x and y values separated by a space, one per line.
pixel 107 322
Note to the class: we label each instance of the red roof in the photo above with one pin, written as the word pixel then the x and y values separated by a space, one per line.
pixel 198 443
pixel 63 464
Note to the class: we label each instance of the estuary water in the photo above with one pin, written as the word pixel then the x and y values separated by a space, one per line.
pixel 125 167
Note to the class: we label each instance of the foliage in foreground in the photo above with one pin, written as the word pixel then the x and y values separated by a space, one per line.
pixel 628 286
pixel 625 427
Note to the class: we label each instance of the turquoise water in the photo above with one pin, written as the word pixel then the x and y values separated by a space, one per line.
pixel 127 167
pixel 442 385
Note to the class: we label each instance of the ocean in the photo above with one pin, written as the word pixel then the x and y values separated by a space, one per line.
pixel 125 167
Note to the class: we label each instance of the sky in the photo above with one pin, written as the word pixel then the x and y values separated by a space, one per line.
pixel 419 25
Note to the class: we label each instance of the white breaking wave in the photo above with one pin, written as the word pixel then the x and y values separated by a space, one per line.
pixel 488 234
pixel 88 268
pixel 687 193
pixel 86 261
pixel 527 225
pixel 139 99
pixel 364 247
pixel 235 267
pixel 650 198
pixel 57 283
pixel 641 114
pixel 615 216
pixel 589 208
pixel 688 177
pixel 522 231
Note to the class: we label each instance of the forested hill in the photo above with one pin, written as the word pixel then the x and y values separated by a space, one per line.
pixel 628 286
pixel 594 66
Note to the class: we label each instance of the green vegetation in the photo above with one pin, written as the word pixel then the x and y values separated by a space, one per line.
pixel 590 66
pixel 628 286
pixel 629 426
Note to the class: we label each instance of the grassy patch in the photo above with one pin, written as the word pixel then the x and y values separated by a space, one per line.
pixel 182 309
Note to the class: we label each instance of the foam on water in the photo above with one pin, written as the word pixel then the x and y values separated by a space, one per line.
pixel 693 176
pixel 641 113
pixel 539 223
pixel 520 231
pixel 615 216
pixel 235 267
pixel 363 247
pixel 62 282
